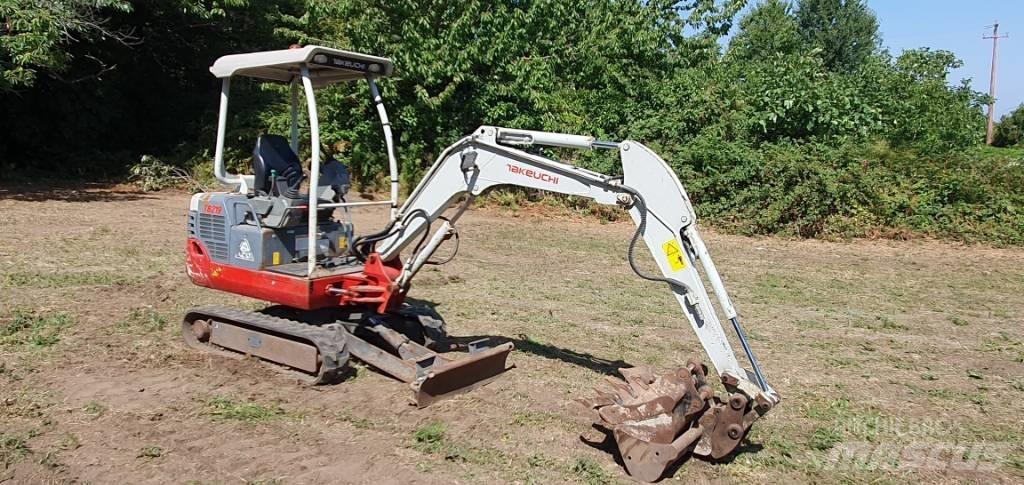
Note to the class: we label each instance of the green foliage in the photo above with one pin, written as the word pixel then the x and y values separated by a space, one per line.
pixel 814 190
pixel 12 449
pixel 27 328
pixel 590 472
pixel 225 408
pixel 152 174
pixel 1010 129
pixel 36 35
pixel 150 451
pixel 845 31
pixel 433 439
pixel 769 29
pixel 801 125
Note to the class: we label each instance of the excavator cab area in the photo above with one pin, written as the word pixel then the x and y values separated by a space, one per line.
pixel 271 196
pixel 269 238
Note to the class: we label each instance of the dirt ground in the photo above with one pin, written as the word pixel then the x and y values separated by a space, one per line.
pixel 896 361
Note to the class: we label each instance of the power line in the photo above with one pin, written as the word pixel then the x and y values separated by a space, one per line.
pixel 992 81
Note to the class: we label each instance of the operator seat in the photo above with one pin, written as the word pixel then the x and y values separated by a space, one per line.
pixel 273 155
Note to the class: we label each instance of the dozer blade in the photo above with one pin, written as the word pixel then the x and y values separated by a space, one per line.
pixel 656 419
pixel 431 376
pixel 452 378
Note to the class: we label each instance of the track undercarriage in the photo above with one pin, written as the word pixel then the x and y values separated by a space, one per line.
pixel 314 346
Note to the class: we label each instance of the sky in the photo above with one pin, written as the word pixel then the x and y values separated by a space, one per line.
pixel 957 26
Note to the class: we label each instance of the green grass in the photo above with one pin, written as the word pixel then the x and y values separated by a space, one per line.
pixel 824 438
pixel 433 439
pixel 356 421
pixel 30 329
pixel 246 411
pixel 144 320
pixel 95 409
pixel 64 280
pixel 12 449
pixel 880 322
pixel 590 472
pixel 150 451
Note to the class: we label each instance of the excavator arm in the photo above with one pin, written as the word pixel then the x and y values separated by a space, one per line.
pixel 666 222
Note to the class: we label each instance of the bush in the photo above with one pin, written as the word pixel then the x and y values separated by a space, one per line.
pixel 1010 130
pixel 856 190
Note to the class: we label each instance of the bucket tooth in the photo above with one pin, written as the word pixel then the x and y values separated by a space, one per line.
pixel 653 418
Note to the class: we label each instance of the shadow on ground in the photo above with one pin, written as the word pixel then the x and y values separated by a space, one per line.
pixel 68 192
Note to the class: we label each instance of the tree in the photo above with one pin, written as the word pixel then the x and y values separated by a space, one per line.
pixel 1010 130
pixel 36 35
pixel 768 30
pixel 846 31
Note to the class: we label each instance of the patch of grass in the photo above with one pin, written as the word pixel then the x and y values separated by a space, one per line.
pixel 12 449
pixel 358 422
pixel 880 322
pixel 1005 344
pixel 49 459
pixel 27 328
pixel 779 450
pixel 843 419
pixel 94 409
pixel 263 481
pixel 246 411
pixel 64 280
pixel 1015 461
pixel 150 451
pixel 841 362
pixel 145 319
pixel 959 322
pixel 824 438
pixel 776 287
pixel 590 472
pixel 535 419
pixel 432 439
pixel 70 442
pixel 538 460
pixel 941 393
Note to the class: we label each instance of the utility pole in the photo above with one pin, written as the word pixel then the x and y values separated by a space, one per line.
pixel 992 81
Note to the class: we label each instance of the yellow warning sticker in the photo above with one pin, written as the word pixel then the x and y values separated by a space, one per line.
pixel 675 256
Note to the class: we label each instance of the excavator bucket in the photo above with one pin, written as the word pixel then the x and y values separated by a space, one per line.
pixel 655 419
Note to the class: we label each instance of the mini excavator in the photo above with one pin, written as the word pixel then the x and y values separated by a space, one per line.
pixel 283 235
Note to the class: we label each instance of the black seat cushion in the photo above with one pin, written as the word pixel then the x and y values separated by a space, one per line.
pixel 274 155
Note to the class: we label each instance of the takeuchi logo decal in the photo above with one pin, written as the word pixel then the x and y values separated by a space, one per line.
pixel 529 172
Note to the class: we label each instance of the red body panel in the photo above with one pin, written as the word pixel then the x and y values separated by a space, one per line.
pixel 374 285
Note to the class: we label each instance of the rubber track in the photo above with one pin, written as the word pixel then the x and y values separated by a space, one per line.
pixel 329 340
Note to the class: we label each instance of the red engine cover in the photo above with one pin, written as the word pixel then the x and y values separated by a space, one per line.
pixel 374 285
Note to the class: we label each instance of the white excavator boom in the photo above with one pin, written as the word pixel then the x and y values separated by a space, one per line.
pixel 654 419
pixel 649 189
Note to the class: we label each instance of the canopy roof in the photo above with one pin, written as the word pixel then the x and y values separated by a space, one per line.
pixel 326 65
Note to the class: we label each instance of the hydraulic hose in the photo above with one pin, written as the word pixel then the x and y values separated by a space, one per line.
pixel 641 205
